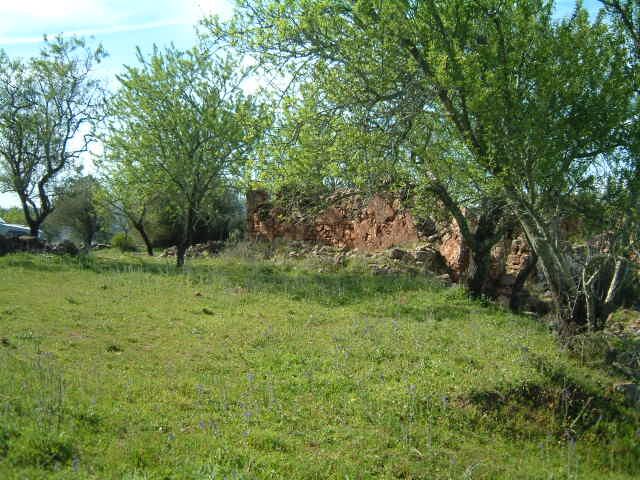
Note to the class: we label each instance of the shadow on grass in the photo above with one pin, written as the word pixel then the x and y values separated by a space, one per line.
pixel 298 282
pixel 560 404
pixel 451 310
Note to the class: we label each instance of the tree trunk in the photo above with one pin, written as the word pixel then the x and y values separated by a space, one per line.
pixel 515 300
pixel 88 240
pixel 555 267
pixel 181 251
pixel 487 233
pixel 185 241
pixel 619 273
pixel 145 238
pixel 35 228
pixel 479 241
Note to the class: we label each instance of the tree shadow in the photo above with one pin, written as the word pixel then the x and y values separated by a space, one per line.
pixel 560 404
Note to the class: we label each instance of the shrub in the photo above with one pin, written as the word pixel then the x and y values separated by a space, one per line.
pixel 41 448
pixel 123 242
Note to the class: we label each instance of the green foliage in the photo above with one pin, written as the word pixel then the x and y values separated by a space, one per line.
pixel 77 209
pixel 181 125
pixel 12 215
pixel 123 242
pixel 254 368
pixel 494 105
pixel 41 449
pixel 47 108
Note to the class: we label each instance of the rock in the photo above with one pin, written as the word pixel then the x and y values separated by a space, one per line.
pixel 207 249
pixel 435 238
pixel 624 321
pixel 380 270
pixel 454 251
pixel 67 247
pixel 379 223
pixel 431 259
pixel 631 391
pixel 425 254
pixel 349 221
pixel 169 252
pixel 398 254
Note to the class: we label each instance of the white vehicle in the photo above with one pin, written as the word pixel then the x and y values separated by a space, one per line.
pixel 10 230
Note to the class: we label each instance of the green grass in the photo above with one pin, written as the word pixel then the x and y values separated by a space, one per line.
pixel 119 367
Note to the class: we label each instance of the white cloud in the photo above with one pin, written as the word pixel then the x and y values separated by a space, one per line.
pixel 40 16
pixel 135 27
pixel 53 9
pixel 25 21
pixel 201 8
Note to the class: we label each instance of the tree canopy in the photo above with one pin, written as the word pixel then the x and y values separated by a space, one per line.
pixel 48 107
pixel 535 107
pixel 181 124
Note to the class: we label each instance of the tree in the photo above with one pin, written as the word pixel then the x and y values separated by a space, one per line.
pixel 627 14
pixel 182 123
pixel 47 109
pixel 77 208
pixel 532 103
pixel 126 196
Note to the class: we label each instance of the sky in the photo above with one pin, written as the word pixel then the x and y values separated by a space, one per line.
pixel 120 25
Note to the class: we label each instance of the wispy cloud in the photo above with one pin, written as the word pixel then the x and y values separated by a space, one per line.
pixel 25 21
pixel 16 40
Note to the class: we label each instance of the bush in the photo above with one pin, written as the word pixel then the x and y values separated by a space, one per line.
pixel 42 449
pixel 123 242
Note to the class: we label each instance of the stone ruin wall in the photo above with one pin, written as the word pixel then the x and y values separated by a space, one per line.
pixel 379 223
pixel 349 222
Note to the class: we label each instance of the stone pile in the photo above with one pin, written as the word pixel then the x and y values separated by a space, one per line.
pixel 35 245
pixel 207 249
pixel 420 260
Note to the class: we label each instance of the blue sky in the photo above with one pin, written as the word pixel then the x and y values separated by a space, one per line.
pixel 120 25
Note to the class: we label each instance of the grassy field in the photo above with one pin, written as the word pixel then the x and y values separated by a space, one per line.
pixel 119 367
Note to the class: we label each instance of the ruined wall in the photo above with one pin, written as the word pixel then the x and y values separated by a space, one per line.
pixel 351 221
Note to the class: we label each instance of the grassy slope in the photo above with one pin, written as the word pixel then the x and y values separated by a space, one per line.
pixel 121 368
